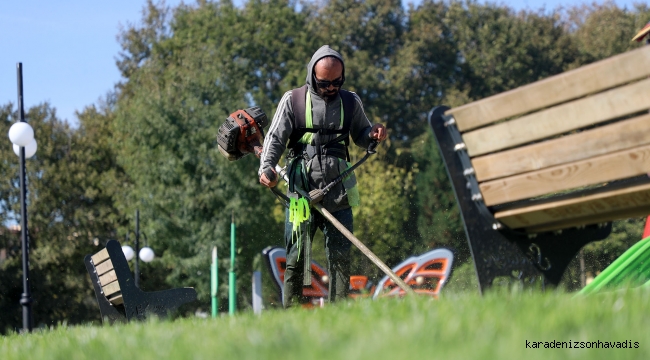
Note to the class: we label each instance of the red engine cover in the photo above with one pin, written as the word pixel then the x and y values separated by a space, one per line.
pixel 250 135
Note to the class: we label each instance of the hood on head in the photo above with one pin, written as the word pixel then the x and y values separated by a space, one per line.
pixel 324 51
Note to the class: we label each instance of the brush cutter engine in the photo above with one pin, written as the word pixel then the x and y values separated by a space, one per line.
pixel 242 133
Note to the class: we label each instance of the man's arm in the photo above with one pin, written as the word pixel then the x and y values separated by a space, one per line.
pixel 276 140
pixel 361 130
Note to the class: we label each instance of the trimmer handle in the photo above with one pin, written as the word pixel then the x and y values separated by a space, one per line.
pixel 372 148
pixel 272 176
pixel 258 151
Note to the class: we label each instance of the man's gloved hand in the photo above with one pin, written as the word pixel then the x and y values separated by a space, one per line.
pixel 269 178
pixel 378 132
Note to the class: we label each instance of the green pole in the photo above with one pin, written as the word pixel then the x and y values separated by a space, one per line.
pixel 214 273
pixel 232 293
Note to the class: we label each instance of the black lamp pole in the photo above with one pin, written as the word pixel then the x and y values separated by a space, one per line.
pixel 26 297
pixel 137 248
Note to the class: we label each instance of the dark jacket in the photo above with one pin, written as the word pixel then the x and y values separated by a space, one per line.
pixel 325 115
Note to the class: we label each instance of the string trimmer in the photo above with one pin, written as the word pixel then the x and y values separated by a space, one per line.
pixel 242 133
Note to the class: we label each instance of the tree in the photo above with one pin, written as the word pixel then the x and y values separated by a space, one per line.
pixel 386 192
pixel 601 31
pixel 367 34
pixel 215 59
pixel 70 183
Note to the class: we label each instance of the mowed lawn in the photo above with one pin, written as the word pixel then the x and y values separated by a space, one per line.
pixel 456 326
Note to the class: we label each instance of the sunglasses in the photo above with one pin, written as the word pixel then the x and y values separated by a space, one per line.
pixel 324 84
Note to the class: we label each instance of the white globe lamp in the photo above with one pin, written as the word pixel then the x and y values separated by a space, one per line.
pixel 30 149
pixel 128 252
pixel 146 254
pixel 21 133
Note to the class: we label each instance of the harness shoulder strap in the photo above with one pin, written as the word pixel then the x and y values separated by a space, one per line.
pixel 299 123
pixel 348 109
pixel 298 104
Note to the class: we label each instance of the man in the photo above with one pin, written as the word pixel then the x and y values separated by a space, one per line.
pixel 315 123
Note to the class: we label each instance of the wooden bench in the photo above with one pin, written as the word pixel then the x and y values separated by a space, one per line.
pixel 542 170
pixel 118 297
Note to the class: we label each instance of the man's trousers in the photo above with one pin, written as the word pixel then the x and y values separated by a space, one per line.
pixel 337 250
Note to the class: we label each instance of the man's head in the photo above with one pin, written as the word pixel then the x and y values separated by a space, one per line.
pixel 327 68
pixel 328 77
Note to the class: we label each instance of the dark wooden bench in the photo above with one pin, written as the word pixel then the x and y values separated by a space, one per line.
pixel 118 297
pixel 542 170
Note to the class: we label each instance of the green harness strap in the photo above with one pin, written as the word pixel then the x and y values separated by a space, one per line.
pixel 298 213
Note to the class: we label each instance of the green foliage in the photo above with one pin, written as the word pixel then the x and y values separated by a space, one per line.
pixel 463 279
pixel 424 70
pixel 70 184
pixel 439 222
pixel 605 30
pixel 600 254
pixel 500 50
pixel 386 193
pixel 216 60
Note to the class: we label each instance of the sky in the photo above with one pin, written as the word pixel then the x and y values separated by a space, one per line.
pixel 68 47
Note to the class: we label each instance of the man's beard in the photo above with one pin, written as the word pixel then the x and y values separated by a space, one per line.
pixel 327 95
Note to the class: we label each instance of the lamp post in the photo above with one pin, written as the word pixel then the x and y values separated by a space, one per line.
pixel 145 254
pixel 21 135
pixel 137 248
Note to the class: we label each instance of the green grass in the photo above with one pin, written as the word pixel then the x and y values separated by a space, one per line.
pixel 456 326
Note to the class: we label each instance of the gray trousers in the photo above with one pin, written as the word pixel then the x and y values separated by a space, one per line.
pixel 337 250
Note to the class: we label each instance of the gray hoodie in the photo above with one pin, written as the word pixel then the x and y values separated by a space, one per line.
pixel 325 115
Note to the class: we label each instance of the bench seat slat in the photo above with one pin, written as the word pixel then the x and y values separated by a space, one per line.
pixel 616 166
pixel 100 257
pixel 591 110
pixel 116 299
pixel 111 288
pixel 573 84
pixel 104 267
pixel 108 278
pixel 628 202
pixel 598 218
pixel 602 140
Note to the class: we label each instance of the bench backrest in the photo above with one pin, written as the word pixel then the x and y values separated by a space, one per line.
pixel 580 129
pixel 107 277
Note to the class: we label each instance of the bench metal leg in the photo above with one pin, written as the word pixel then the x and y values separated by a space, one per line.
pixel 158 303
pixel 502 252
pixel 137 303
